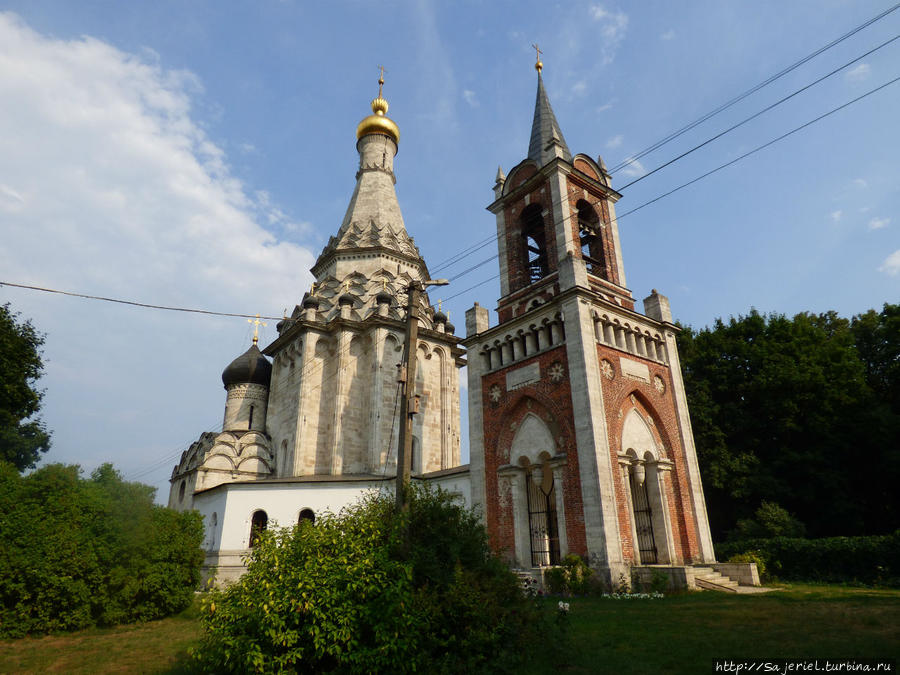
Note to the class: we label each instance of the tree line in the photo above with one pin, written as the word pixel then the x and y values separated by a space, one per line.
pixel 797 422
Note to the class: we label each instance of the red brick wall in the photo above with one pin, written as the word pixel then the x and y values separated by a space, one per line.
pixel 577 190
pixel 552 403
pixel 660 407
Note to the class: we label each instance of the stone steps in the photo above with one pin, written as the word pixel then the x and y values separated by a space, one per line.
pixel 708 579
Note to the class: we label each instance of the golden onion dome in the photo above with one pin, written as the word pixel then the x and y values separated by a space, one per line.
pixel 378 122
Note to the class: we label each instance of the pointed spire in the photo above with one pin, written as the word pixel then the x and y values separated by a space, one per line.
pixel 547 139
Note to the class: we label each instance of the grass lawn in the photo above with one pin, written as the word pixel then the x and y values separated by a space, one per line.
pixel 684 633
pixel 153 647
pixel 677 634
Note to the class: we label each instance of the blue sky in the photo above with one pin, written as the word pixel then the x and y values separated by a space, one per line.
pixel 200 154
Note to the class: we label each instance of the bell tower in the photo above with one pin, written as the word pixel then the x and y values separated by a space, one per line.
pixel 580 437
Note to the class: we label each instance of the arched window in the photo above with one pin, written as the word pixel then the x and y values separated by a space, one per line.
pixel 181 490
pixel 535 241
pixel 258 525
pixel 591 240
pixel 307 516
pixel 213 523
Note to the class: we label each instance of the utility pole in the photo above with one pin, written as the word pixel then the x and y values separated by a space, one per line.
pixel 409 404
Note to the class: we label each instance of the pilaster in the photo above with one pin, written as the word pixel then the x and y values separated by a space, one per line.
pixel 591 435
pixel 698 501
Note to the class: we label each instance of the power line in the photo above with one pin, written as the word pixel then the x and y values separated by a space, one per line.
pixel 752 90
pixel 757 114
pixel 760 147
pixel 137 304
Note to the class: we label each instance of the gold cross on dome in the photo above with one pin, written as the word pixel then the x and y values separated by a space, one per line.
pixel 312 289
pixel 439 304
pixel 256 324
pixel 380 80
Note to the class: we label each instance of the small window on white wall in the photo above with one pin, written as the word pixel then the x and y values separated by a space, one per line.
pixel 307 516
pixel 258 525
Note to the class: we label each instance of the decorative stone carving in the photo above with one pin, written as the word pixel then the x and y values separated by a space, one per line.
pixel 607 369
pixel 557 372
pixel 658 384
pixel 495 394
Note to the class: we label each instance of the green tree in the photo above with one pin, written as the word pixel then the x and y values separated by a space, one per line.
pixel 82 552
pixel 373 590
pixel 22 435
pixel 783 412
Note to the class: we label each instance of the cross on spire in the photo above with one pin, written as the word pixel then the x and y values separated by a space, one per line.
pixel 380 80
pixel 256 324
pixel 538 65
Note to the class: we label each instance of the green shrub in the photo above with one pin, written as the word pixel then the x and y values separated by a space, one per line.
pixel 555 580
pixel 78 553
pixel 572 577
pixel 373 590
pixel 867 560
pixel 770 520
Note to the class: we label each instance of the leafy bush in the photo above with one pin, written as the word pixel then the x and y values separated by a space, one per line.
pixel 572 577
pixel 78 553
pixel 868 560
pixel 373 590
pixel 770 520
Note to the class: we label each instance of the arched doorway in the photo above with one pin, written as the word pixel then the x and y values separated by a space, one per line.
pixel 543 524
pixel 643 470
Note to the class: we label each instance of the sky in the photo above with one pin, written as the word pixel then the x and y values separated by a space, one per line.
pixel 199 154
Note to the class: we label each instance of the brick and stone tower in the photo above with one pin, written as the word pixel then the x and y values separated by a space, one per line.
pixel 334 392
pixel 580 437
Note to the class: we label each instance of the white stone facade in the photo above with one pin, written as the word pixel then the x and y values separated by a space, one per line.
pixel 324 428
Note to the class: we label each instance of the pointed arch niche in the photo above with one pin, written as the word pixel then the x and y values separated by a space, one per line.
pixel 643 466
pixel 535 480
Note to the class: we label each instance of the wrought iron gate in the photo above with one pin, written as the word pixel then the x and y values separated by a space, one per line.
pixel 643 521
pixel 542 522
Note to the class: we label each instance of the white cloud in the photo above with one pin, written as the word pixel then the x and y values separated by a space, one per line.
pixel 470 98
pixel 118 171
pixel 606 106
pixel 613 26
pixel 668 35
pixel 579 88
pixel 891 265
pixel 861 183
pixel 111 186
pixel 10 200
pixel 878 223
pixel 634 168
pixel 615 141
pixel 836 215
pixel 858 73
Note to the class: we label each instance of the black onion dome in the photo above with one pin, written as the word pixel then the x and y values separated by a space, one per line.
pixel 251 367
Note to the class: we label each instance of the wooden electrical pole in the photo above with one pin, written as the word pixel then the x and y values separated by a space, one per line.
pixel 408 403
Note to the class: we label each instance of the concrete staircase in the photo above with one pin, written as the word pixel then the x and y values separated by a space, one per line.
pixel 708 579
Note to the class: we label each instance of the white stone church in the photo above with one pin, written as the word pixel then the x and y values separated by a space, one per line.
pixel 580 437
